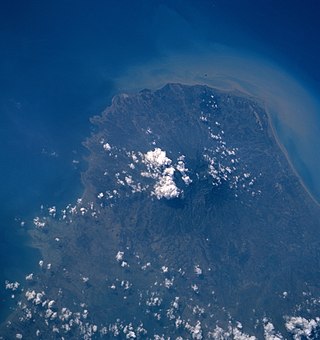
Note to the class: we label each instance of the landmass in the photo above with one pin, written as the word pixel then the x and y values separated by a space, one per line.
pixel 192 224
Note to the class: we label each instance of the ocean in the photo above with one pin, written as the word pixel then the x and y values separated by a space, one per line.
pixel 61 62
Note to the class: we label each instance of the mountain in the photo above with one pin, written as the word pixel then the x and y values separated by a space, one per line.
pixel 192 223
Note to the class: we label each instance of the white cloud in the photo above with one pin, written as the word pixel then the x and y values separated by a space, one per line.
pixel 100 195
pixel 106 146
pixel 300 327
pixel 51 303
pixel 119 256
pixel 52 211
pixel 195 331
pixel 269 331
pixel 168 283
pixel 235 333
pixel 38 222
pixel 30 294
pixel 12 285
pixel 164 269
pixel 195 288
pixel 29 277
pixel 197 270
pixel 157 158
pixel 166 187
pixel 159 168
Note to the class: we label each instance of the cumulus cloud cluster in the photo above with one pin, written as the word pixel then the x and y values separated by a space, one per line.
pixel 170 175
pixel 231 333
pixel 301 327
pixel 269 331
pixel 160 168
pixel 154 302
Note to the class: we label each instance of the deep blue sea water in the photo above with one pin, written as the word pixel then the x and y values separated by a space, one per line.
pixel 61 61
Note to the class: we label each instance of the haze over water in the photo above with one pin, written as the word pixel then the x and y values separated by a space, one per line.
pixel 62 62
pixel 293 107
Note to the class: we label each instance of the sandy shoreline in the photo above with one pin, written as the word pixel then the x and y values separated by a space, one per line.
pixel 233 87
pixel 287 156
pixel 238 89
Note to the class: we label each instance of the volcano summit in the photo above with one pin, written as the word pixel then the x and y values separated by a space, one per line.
pixel 193 224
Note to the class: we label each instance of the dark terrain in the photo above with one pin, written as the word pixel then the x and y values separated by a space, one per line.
pixel 228 230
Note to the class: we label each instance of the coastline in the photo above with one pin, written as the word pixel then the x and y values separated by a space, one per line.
pixel 77 238
pixel 287 156
pixel 236 89
pixel 239 89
